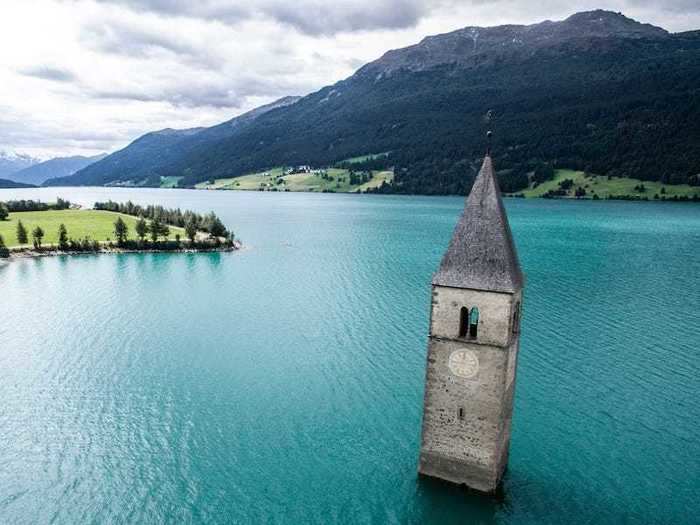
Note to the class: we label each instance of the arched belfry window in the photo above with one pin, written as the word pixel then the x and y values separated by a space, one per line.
pixel 473 322
pixel 463 321
pixel 516 318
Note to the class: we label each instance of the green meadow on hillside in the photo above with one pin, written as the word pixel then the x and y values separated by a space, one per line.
pixel 364 158
pixel 97 225
pixel 604 188
pixel 334 180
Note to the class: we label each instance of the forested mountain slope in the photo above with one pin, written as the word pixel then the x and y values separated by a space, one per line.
pixel 597 91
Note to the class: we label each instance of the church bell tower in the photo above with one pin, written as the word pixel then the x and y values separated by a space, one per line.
pixel 473 345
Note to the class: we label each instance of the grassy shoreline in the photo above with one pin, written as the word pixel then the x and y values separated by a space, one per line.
pixel 110 227
pixel 602 187
pixel 113 249
pixel 334 180
pixel 95 224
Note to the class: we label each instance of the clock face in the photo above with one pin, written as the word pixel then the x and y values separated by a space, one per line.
pixel 463 363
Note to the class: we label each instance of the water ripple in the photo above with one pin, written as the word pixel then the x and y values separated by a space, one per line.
pixel 284 384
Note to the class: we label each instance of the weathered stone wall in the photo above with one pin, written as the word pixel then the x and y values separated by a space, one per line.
pixel 473 439
pixel 495 314
pixel 471 447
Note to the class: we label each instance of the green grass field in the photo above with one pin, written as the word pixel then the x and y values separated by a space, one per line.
pixel 378 177
pixel 363 158
pixel 98 225
pixel 602 187
pixel 268 180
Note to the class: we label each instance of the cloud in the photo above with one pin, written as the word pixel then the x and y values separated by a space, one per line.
pixel 185 97
pixel 49 73
pixel 332 17
pixel 84 76
pixel 46 137
pixel 217 91
pixel 677 6
pixel 191 63
pixel 120 38
pixel 221 10
pixel 308 16
pixel 141 40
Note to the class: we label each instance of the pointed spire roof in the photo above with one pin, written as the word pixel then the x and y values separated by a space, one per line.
pixel 481 254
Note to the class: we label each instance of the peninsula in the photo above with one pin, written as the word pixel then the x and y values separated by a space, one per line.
pixel 36 229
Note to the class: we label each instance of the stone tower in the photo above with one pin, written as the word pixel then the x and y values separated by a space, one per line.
pixel 473 346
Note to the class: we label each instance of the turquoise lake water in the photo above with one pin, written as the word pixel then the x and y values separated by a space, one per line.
pixel 284 383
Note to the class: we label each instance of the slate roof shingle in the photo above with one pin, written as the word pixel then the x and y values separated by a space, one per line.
pixel 481 254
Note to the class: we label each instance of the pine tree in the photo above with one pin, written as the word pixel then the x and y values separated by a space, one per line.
pixel 121 230
pixel 62 237
pixel 215 226
pixel 4 212
pixel 155 228
pixel 37 236
pixel 21 233
pixel 141 228
pixel 4 251
pixel 191 230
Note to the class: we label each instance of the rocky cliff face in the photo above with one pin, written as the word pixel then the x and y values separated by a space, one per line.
pixel 480 46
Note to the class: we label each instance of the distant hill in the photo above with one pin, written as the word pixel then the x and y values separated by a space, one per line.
pixel 57 167
pixel 4 183
pixel 598 92
pixel 141 161
pixel 13 162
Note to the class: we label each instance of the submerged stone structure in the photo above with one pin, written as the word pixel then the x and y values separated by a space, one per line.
pixel 473 346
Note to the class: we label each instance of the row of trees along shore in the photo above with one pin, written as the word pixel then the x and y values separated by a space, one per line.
pixel 31 205
pixel 209 223
pixel 152 234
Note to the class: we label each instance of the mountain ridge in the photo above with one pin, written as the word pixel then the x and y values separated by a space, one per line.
pixel 7 183
pixel 466 42
pixel 11 162
pixel 597 91
pixel 143 157
pixel 40 172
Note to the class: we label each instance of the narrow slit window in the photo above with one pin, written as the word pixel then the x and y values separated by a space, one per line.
pixel 461 413
pixel 516 318
pixel 463 321
pixel 473 322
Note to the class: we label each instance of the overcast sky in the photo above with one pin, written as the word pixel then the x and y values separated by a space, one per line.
pixel 82 77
